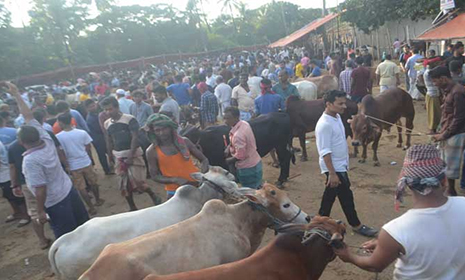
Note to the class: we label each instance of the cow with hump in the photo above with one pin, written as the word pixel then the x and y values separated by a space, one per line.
pixel 301 252
pixel 75 252
pixel 378 113
pixel 219 234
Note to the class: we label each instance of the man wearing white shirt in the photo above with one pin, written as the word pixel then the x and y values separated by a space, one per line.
pixel 223 93
pixel 124 103
pixel 76 145
pixel 334 161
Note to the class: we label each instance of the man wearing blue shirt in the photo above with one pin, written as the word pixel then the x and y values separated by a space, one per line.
pixel 282 66
pixel 284 88
pixel 316 70
pixel 268 101
pixel 7 134
pixel 180 91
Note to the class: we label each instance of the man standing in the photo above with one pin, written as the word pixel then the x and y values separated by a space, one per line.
pixel 268 101
pixel 452 134
pixel 403 61
pixel 97 135
pixel 139 109
pixel 345 78
pixel 210 78
pixel 427 241
pixel 45 177
pixel 168 104
pixel 243 150
pixel 7 134
pixel 316 70
pixel 78 121
pixel 243 98
pixel 76 145
pixel 361 83
pixel 223 93
pixel 169 156
pixel 412 73
pixel 124 103
pixel 208 106
pixel 180 91
pixel 396 46
pixel 458 54
pixel 225 73
pixel 124 149
pixel 387 74
pixel 235 80
pixel 433 96
pixel 284 88
pixel 334 161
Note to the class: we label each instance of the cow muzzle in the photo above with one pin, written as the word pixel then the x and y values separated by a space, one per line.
pixel 355 143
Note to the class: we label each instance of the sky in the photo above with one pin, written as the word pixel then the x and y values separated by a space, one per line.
pixel 19 8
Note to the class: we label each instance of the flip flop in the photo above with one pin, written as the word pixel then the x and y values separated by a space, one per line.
pixel 10 219
pixel 23 222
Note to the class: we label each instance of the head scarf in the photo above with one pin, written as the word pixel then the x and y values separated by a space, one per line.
pixel 164 121
pixel 265 86
pixel 423 171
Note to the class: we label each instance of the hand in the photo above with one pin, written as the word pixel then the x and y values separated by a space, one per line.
pixel 344 254
pixel 333 181
pixel 129 160
pixel 42 217
pixel 370 246
pixel 12 89
pixel 436 137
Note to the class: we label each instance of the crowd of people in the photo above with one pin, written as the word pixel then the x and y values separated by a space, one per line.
pixel 132 119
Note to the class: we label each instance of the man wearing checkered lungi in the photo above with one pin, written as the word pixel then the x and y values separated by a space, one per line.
pixel 451 138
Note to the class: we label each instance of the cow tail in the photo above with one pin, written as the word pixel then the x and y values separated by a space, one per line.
pixel 51 257
pixel 292 152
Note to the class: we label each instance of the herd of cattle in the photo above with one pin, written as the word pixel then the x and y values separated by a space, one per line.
pixel 196 235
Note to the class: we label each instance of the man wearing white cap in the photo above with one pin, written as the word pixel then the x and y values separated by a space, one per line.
pixel 124 103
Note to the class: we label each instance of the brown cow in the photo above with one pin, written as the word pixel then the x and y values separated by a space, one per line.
pixel 324 83
pixel 389 106
pixel 305 114
pixel 291 256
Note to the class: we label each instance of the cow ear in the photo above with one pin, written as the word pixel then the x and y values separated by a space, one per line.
pixel 197 176
pixel 247 191
pixel 257 199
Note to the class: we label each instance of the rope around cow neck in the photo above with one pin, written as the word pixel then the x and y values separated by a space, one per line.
pixel 420 133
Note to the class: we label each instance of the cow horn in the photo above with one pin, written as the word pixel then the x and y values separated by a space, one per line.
pixel 349 120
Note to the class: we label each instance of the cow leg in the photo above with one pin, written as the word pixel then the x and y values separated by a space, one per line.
pixel 364 154
pixel 284 157
pixel 355 154
pixel 399 134
pixel 408 131
pixel 375 150
pixel 304 156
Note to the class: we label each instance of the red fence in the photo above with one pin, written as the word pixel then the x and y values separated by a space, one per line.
pixel 68 72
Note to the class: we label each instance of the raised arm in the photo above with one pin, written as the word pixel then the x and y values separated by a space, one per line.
pixel 23 108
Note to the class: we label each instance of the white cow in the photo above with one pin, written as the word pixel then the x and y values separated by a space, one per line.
pixel 254 86
pixel 219 234
pixel 307 90
pixel 75 252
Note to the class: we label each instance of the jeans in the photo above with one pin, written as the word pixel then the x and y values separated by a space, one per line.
pixel 101 148
pixel 68 214
pixel 346 198
pixel 407 81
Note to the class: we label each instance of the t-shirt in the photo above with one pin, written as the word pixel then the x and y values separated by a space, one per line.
pixel 15 157
pixel 290 90
pixel 316 72
pixel 56 128
pixel 121 130
pixel 433 242
pixel 360 77
pixel 170 105
pixel 4 168
pixel 7 135
pixel 42 167
pixel 245 99
pixel 180 92
pixel 387 72
pixel 268 103
pixel 74 143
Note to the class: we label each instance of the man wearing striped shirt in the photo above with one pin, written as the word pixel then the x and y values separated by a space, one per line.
pixel 344 77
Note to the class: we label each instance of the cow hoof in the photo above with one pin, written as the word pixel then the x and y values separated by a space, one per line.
pixel 361 160
pixel 405 148
pixel 302 158
pixel 399 145
pixel 376 163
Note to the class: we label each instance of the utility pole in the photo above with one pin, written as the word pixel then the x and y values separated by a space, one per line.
pixel 323 11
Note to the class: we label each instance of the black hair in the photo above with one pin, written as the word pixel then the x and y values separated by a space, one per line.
pixel 458 45
pixel 331 96
pixel 88 102
pixel 160 89
pixel 415 50
pixel 439 71
pixel 138 92
pixel 455 66
pixel 65 118
pixel 51 110
pixel 267 82
pixel 388 57
pixel 178 78
pixel 39 114
pixel 110 100
pixel 359 60
pixel 62 106
pixel 28 135
pixel 234 111
pixel 352 55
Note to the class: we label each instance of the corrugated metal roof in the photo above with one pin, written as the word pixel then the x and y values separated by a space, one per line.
pixel 303 31
pixel 453 29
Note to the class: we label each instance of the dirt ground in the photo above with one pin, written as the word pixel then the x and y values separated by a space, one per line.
pixel 373 187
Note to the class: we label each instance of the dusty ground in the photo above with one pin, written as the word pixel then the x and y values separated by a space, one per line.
pixel 373 187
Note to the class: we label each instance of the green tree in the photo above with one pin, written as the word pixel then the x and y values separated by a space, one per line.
pixel 230 5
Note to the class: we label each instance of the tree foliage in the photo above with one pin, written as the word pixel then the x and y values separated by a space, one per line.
pixel 63 32
pixel 369 15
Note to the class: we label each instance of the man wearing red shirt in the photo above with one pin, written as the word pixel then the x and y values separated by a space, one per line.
pixel 403 60
pixel 101 88
pixel 361 83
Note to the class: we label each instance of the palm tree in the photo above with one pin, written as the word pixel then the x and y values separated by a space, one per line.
pixel 229 4
pixel 193 4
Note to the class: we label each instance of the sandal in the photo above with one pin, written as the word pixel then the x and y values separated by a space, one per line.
pixel 23 222
pixel 10 218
